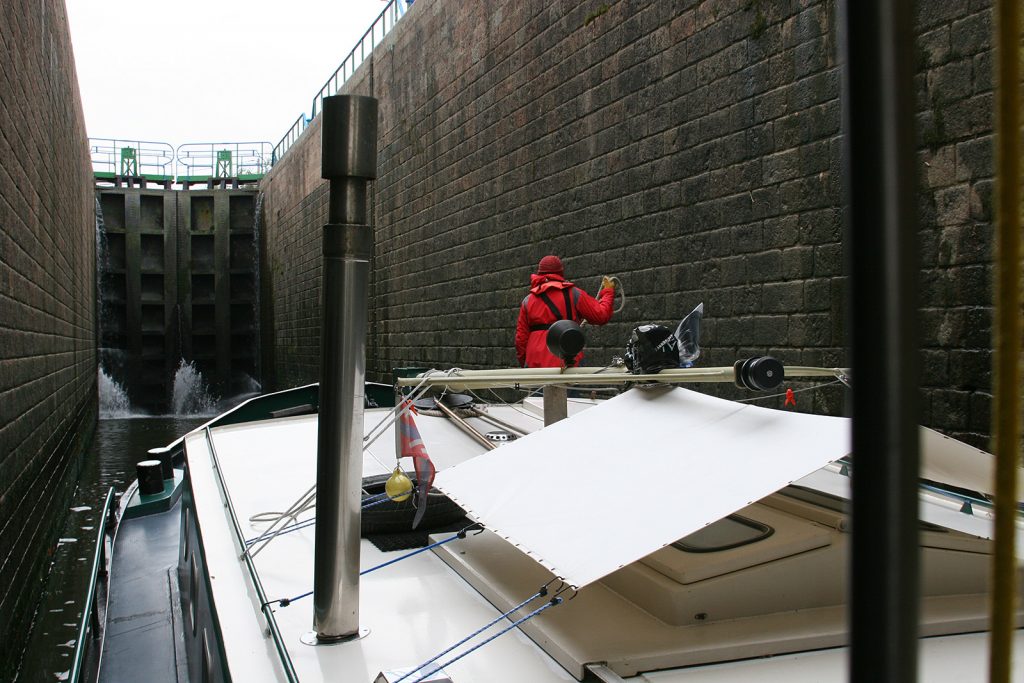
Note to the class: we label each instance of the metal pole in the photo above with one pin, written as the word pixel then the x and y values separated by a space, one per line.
pixel 466 427
pixel 556 404
pixel 877 45
pixel 1006 374
pixel 349 161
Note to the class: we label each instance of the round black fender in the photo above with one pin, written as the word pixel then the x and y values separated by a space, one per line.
pixel 392 517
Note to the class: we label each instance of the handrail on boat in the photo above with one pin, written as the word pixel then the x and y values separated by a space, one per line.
pixel 538 377
pixel 89 624
pixel 268 613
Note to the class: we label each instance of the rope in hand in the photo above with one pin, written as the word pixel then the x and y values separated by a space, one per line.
pixel 617 286
pixel 621 291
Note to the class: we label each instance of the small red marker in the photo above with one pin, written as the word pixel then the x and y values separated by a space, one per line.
pixel 790 399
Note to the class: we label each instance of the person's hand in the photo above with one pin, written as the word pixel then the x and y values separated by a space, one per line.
pixel 608 283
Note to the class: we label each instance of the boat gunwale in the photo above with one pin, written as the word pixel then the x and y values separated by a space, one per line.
pixel 89 611
pixel 265 608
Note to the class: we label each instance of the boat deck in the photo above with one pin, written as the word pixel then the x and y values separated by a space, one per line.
pixel 143 640
pixel 266 467
pixel 415 609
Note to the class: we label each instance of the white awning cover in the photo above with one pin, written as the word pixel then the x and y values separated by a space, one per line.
pixel 953 462
pixel 595 492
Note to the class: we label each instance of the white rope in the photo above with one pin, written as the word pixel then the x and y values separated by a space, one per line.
pixel 306 501
pixel 795 391
pixel 622 293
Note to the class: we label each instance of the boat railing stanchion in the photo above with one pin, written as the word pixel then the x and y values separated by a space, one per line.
pixel 349 158
pixel 556 404
pixel 564 340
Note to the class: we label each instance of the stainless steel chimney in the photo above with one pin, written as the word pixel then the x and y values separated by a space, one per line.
pixel 349 139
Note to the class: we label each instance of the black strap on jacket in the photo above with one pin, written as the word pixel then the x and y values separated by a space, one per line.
pixel 559 315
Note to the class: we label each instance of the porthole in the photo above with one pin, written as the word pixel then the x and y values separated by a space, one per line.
pixel 727 533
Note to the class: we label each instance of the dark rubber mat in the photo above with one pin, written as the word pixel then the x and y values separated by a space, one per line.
pixel 407 540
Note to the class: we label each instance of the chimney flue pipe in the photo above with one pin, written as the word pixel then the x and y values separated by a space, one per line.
pixel 349 139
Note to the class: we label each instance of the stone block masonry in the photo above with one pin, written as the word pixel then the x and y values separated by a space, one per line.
pixel 692 148
pixel 47 301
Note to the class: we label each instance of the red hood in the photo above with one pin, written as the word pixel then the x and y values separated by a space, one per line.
pixel 542 283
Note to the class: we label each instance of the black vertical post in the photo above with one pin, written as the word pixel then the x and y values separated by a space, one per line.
pixel 877 45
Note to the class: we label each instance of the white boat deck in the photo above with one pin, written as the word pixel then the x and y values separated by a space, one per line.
pixel 267 467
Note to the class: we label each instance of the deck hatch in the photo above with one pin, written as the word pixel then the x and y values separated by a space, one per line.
pixel 725 534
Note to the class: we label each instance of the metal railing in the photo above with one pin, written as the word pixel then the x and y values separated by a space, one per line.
pixel 380 27
pixel 89 627
pixel 224 159
pixel 289 138
pixel 131 158
pixel 265 605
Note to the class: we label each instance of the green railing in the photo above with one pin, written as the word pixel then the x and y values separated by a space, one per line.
pixel 113 158
pixel 221 160
pixel 89 627
pixel 380 27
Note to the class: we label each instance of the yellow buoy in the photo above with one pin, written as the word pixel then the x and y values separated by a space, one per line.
pixel 398 486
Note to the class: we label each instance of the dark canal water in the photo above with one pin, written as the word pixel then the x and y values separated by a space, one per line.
pixel 117 446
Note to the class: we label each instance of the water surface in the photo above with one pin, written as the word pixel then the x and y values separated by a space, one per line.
pixel 118 444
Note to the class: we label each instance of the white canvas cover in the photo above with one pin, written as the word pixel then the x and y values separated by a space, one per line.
pixel 954 462
pixel 614 483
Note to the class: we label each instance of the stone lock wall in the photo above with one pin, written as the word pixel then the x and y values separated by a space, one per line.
pixel 47 302
pixel 691 148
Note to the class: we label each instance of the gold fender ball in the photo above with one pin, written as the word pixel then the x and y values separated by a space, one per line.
pixel 398 486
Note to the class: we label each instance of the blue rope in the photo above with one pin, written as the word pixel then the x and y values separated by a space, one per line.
pixel 377 500
pixel 541 592
pixel 284 602
pixel 461 534
pixel 550 603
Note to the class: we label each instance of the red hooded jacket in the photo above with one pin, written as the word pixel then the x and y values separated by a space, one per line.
pixel 535 315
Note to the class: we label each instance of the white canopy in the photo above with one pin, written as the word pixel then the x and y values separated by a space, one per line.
pixel 614 483
pixel 954 462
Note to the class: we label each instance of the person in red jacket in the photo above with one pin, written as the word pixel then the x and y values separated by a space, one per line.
pixel 552 298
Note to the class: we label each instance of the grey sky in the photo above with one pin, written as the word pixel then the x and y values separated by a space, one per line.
pixel 208 71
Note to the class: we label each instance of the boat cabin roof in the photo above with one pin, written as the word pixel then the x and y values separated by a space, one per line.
pixel 767 581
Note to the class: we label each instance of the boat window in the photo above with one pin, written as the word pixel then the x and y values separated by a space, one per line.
pixel 193 592
pixel 730 532
pixel 188 532
pixel 819 498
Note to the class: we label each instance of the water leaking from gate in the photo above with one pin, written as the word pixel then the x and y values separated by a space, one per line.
pixel 191 392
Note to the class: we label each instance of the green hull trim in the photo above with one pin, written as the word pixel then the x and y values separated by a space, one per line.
pixel 140 505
